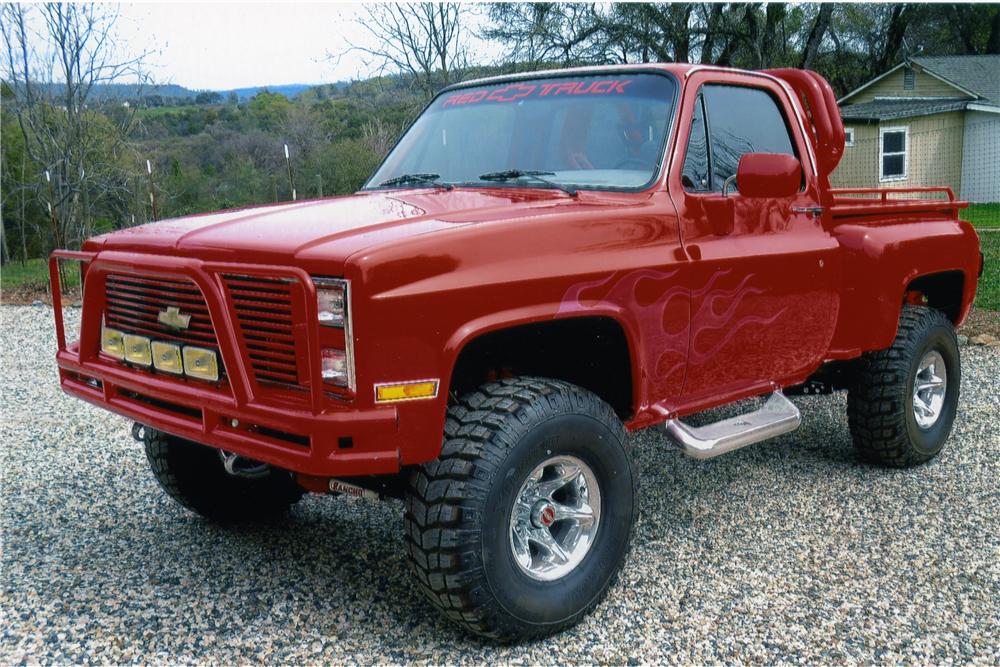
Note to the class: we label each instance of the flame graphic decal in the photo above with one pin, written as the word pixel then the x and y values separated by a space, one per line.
pixel 706 319
pixel 662 309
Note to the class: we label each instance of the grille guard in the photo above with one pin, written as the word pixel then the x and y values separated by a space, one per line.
pixel 207 276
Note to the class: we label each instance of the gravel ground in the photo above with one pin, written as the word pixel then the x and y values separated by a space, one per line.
pixel 789 551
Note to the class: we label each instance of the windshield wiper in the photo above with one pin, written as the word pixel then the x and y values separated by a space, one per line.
pixel 515 174
pixel 423 179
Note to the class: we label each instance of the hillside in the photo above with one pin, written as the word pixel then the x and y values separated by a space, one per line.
pixel 171 91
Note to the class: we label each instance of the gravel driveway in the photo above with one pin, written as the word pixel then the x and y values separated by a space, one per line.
pixel 788 551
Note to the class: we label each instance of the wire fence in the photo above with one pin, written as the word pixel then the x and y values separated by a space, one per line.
pixel 962 153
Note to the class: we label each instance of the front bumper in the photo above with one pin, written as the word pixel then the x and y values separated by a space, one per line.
pixel 315 435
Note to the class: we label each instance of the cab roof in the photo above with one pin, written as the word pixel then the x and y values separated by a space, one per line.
pixel 680 70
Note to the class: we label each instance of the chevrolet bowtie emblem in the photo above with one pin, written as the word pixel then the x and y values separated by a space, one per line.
pixel 173 318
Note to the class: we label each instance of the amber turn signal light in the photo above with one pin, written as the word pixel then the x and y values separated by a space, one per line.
pixel 406 391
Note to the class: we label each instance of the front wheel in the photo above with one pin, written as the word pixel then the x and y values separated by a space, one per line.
pixel 904 399
pixel 521 525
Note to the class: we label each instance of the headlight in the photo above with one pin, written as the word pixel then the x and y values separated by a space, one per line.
pixel 334 366
pixel 113 342
pixel 201 363
pixel 331 301
pixel 137 350
pixel 167 357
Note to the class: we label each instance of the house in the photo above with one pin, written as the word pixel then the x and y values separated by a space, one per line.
pixel 930 120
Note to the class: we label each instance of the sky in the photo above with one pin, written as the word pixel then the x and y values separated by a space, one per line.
pixel 223 45
pixel 220 46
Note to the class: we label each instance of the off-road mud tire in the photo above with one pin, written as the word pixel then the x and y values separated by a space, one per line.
pixel 880 402
pixel 458 507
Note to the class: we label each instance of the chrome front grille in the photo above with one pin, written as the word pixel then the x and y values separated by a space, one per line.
pixel 264 308
pixel 265 314
pixel 134 304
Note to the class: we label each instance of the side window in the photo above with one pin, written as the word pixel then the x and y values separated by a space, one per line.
pixel 696 176
pixel 742 120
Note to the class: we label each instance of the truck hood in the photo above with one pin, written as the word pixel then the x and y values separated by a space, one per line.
pixel 341 225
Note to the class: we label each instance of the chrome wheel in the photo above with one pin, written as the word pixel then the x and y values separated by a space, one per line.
pixel 929 388
pixel 555 518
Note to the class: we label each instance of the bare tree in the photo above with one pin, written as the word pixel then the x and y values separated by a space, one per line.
pixel 55 57
pixel 425 41
pixel 713 20
pixel 816 34
pixel 541 33
pixel 379 136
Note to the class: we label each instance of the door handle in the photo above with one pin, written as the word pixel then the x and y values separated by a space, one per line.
pixel 816 211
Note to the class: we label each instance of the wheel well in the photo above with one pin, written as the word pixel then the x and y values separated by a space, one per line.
pixel 591 352
pixel 941 291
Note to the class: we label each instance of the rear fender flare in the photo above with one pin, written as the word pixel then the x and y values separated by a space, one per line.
pixel 881 262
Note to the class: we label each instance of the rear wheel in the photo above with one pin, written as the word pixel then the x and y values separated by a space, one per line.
pixel 217 485
pixel 904 399
pixel 522 524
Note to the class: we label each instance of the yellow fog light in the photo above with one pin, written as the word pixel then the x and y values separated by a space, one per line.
pixel 137 350
pixel 201 363
pixel 167 357
pixel 406 391
pixel 113 343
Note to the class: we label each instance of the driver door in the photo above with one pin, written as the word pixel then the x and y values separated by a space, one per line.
pixel 763 272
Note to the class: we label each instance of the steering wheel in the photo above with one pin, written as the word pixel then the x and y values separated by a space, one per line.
pixel 634 162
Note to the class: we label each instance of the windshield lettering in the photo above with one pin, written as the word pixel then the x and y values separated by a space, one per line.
pixel 517 91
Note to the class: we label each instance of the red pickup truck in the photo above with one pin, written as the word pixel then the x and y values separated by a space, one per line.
pixel 543 263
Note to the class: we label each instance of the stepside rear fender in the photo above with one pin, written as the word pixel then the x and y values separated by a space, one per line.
pixel 881 261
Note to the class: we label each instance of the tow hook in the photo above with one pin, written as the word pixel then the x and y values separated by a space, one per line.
pixel 239 466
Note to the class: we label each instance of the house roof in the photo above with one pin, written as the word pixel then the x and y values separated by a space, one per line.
pixel 886 109
pixel 977 74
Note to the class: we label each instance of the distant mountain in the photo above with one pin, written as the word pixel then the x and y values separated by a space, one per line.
pixel 122 91
pixel 129 91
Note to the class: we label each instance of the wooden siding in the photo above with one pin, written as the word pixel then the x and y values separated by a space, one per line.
pixel 924 85
pixel 934 155
pixel 981 158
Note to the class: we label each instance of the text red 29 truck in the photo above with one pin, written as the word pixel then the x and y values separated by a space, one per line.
pixel 543 263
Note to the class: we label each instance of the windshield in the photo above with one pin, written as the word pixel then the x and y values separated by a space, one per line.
pixel 605 131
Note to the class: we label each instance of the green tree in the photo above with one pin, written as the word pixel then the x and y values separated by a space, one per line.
pixel 270 110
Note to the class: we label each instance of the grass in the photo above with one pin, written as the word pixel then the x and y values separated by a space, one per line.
pixel 982 215
pixel 33 275
pixel 988 295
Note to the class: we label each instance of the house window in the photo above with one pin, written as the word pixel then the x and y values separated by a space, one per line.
pixel 848 136
pixel 894 146
pixel 908 78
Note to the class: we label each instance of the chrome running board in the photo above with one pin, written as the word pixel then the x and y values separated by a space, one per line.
pixel 778 415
